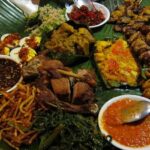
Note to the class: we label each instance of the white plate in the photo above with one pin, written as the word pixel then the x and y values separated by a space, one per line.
pixel 98 6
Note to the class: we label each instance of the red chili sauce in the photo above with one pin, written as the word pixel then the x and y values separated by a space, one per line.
pixel 31 42
pixel 135 134
pixel 10 39
pixel 85 16
pixel 10 73
pixel 23 54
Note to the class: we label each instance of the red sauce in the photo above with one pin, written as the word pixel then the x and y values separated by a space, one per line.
pixel 133 134
pixel 31 42
pixel 10 73
pixel 10 39
pixel 85 16
pixel 23 54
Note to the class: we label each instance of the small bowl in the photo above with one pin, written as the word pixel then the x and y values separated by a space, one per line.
pixel 98 6
pixel 105 133
pixel 20 78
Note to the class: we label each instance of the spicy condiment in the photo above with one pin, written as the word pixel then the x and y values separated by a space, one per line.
pixel 135 134
pixel 10 73
pixel 12 39
pixel 85 16
pixel 31 42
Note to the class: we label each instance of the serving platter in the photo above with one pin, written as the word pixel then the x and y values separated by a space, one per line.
pixel 12 20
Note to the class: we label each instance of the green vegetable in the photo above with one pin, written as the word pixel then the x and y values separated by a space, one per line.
pixel 69 131
pixel 48 138
pixel 45 19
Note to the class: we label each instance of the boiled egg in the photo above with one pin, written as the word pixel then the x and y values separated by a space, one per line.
pixel 23 54
pixel 31 41
pixel 10 40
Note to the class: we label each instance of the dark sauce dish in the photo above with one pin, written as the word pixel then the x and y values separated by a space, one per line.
pixel 10 73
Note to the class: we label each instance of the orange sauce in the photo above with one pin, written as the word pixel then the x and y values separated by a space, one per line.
pixel 134 134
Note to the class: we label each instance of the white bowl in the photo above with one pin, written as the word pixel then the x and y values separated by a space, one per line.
pixel 98 6
pixel 20 79
pixel 105 133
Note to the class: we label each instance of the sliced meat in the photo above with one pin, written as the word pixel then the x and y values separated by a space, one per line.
pixel 61 87
pixel 82 93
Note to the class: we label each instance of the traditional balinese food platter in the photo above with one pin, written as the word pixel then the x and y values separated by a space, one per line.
pixel 58 72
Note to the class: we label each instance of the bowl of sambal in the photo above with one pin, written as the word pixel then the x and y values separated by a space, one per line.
pixel 93 18
pixel 10 73
pixel 125 136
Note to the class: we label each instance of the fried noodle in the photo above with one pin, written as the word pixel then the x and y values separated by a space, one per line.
pixel 16 116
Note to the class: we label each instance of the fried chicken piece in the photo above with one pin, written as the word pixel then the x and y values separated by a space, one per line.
pixel 45 98
pixel 148 38
pixel 82 93
pixel 87 76
pixel 61 87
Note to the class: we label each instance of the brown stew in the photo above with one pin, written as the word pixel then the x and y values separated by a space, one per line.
pixel 10 73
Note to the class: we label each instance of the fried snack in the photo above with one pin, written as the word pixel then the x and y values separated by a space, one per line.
pixel 16 116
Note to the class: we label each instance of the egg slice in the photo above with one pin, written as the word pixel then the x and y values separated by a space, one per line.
pixel 23 41
pixel 3 49
pixel 26 56
pixel 15 54
pixel 13 41
pixel 4 36
pixel 33 44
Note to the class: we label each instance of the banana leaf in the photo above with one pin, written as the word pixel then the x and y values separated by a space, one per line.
pixel 12 19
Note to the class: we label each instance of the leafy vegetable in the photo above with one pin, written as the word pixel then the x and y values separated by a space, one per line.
pixel 48 138
pixel 75 131
pixel 45 19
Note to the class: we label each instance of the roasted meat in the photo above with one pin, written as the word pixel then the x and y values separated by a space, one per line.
pixel 87 76
pixel 55 83
pixel 45 98
pixel 30 69
pixel 40 64
pixel 61 87
pixel 82 93
pixel 131 19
